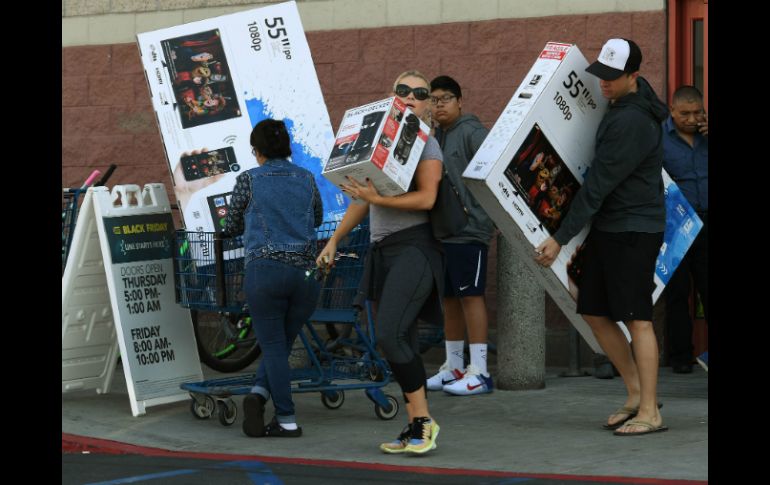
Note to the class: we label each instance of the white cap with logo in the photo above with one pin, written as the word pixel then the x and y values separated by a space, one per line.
pixel 618 56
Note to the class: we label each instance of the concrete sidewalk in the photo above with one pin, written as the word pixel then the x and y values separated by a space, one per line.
pixel 556 430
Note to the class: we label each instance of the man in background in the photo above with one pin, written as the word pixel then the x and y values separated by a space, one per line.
pixel 686 159
pixel 460 136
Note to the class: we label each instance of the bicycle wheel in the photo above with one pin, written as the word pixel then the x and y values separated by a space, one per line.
pixel 225 343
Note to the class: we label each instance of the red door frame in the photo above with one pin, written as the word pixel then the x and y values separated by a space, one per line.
pixel 681 14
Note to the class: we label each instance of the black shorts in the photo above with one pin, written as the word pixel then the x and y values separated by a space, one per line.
pixel 617 278
pixel 466 269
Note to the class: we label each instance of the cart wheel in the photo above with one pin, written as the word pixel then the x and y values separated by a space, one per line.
pixel 384 413
pixel 204 409
pixel 333 400
pixel 228 411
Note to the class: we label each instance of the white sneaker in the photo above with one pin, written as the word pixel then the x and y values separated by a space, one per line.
pixel 445 376
pixel 473 382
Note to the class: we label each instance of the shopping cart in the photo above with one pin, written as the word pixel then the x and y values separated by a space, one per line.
pixel 71 198
pixel 211 278
pixel 69 215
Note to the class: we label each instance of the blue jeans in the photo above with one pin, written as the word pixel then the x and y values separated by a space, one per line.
pixel 280 300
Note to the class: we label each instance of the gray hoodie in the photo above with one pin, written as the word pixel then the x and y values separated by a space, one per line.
pixel 459 143
pixel 623 190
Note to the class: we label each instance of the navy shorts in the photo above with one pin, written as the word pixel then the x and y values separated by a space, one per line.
pixel 466 269
pixel 617 278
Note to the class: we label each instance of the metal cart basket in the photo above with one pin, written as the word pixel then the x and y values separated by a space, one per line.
pixel 70 205
pixel 69 216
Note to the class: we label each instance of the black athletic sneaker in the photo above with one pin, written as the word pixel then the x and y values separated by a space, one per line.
pixel 254 415
pixel 275 429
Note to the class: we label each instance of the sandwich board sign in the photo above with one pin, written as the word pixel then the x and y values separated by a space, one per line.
pixel 118 295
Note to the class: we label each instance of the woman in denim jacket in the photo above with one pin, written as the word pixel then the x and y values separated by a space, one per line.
pixel 404 274
pixel 276 206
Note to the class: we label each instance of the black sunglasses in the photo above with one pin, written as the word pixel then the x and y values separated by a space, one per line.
pixel 419 93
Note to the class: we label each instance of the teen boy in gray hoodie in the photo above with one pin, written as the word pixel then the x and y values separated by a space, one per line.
pixel 460 136
pixel 622 197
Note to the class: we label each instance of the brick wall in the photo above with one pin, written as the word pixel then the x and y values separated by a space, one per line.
pixel 107 115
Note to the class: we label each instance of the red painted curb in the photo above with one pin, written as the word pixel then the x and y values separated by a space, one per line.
pixel 77 444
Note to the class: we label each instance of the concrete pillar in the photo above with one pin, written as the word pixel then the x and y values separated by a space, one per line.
pixel 520 323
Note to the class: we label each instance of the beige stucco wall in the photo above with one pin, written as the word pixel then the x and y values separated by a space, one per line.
pixel 96 22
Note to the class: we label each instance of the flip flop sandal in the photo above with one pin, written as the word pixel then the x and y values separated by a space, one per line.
pixel 632 412
pixel 650 428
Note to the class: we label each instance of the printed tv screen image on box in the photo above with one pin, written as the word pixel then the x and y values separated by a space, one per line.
pixel 203 86
pixel 543 179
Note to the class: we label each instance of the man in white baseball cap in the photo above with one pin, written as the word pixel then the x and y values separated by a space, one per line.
pixel 622 198
pixel 618 56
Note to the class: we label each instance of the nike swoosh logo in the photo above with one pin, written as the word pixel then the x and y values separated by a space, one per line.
pixel 444 382
pixel 462 288
pixel 470 387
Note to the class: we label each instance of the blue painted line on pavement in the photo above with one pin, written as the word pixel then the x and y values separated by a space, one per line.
pixel 142 478
pixel 260 479
pixel 258 472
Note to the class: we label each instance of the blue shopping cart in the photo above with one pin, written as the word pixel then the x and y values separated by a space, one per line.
pixel 71 200
pixel 69 216
pixel 210 278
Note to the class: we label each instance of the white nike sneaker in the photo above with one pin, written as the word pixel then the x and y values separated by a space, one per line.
pixel 445 376
pixel 473 382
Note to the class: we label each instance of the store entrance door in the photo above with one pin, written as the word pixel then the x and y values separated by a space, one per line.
pixel 688 22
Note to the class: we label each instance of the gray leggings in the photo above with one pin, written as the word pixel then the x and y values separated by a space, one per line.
pixel 407 286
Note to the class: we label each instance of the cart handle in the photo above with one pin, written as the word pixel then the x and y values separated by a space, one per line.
pixel 90 179
pixel 106 175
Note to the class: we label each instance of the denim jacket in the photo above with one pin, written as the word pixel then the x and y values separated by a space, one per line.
pixel 280 216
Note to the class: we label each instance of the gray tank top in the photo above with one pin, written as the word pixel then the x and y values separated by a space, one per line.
pixel 384 221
